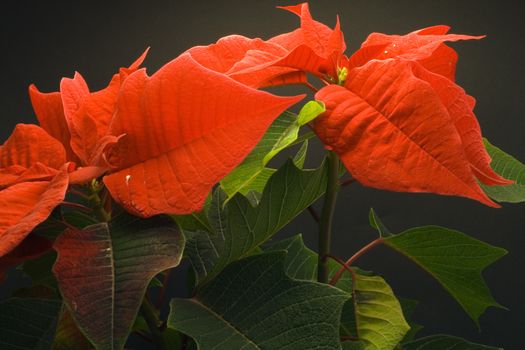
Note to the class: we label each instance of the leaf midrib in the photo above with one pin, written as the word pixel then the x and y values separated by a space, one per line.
pixel 220 318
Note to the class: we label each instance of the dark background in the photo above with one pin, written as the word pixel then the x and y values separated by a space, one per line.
pixel 45 40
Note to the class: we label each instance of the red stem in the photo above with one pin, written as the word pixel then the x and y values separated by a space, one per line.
pixel 162 292
pixel 77 206
pixel 310 86
pixel 314 213
pixel 345 266
pixel 78 193
pixel 348 182
pixel 354 257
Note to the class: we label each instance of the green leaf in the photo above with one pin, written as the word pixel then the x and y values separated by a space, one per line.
pixel 103 271
pixel 375 316
pixel 300 262
pixel 243 177
pixel 376 223
pixel 252 304
pixel 252 173
pixel 39 270
pixel 36 292
pixel 380 322
pixel 441 342
pixel 510 168
pixel 28 323
pixel 68 336
pixel 352 345
pixel 408 306
pixel 239 228
pixel 454 259
pixel 310 111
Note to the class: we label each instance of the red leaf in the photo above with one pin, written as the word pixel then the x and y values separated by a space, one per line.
pixel 79 118
pixel 17 174
pixel 230 50
pixel 460 108
pixel 393 132
pixel 186 128
pixel 236 55
pixel 29 144
pixel 321 39
pixel 25 205
pixel 327 46
pixel 425 46
pixel 29 154
pixel 259 69
pixel 50 114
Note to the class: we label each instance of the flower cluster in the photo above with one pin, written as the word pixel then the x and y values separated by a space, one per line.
pixel 159 143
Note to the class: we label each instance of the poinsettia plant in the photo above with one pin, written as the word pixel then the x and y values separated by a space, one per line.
pixel 112 189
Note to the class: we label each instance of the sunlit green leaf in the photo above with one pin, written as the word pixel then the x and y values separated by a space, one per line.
pixel 253 173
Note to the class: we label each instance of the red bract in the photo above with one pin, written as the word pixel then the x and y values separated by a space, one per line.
pixel 425 46
pixel 38 163
pixel 33 181
pixel 400 122
pixel 186 127
pixel 25 205
pixel 80 119
pixel 163 142
pixel 284 59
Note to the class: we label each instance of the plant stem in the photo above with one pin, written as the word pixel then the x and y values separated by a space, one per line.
pixel 148 312
pixel 354 257
pixel 313 213
pixel 327 213
pixel 98 206
pixel 162 292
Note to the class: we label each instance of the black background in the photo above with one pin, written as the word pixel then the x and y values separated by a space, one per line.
pixel 44 41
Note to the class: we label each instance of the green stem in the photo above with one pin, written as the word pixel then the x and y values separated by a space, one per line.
pixel 148 312
pixel 97 203
pixel 327 213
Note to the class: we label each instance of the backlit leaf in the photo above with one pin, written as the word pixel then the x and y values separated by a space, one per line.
pixel 253 174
